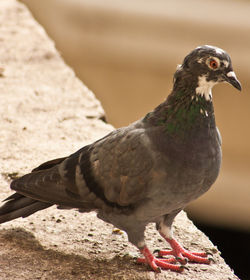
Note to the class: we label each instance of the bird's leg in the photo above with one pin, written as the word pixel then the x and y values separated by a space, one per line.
pixel 136 237
pixel 155 263
pixel 181 254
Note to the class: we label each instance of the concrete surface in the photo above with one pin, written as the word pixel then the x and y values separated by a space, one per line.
pixel 46 112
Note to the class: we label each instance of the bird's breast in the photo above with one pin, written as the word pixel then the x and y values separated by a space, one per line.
pixel 187 168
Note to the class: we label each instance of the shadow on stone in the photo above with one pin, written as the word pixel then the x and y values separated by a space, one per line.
pixel 26 256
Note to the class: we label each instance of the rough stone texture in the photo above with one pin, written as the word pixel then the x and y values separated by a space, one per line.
pixel 46 112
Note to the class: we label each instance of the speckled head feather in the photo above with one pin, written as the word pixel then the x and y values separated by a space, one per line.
pixel 189 106
pixel 204 67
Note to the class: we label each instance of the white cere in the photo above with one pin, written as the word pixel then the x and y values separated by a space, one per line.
pixel 231 74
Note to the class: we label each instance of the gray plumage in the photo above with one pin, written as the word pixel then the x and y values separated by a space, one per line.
pixel 146 172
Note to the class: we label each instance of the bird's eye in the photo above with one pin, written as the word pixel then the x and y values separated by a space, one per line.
pixel 213 64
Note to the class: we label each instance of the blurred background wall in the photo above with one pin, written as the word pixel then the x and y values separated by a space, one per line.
pixel 127 52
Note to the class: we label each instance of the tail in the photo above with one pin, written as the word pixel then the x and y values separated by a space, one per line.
pixel 44 183
pixel 18 205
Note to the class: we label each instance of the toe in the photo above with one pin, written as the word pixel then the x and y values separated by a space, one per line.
pixel 195 258
pixel 166 265
pixel 164 252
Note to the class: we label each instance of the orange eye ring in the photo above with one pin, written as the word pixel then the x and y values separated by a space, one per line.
pixel 213 64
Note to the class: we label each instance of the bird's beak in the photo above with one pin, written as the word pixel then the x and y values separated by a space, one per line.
pixel 231 78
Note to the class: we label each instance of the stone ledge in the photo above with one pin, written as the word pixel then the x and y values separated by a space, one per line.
pixel 47 112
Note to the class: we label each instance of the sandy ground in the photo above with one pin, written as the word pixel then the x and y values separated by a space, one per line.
pixel 46 112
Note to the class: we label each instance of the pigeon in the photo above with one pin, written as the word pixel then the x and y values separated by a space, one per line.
pixel 146 172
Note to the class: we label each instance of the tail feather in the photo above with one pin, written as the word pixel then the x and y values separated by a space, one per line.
pixel 18 205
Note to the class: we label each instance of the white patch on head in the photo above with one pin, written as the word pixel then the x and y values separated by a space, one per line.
pixel 178 67
pixel 200 60
pixel 231 74
pixel 217 50
pixel 226 63
pixel 204 87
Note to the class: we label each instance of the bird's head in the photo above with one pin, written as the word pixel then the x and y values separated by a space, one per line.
pixel 207 66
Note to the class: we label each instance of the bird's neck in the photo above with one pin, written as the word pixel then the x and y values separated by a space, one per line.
pixel 183 113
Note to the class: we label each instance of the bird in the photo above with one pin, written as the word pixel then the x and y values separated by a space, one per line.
pixel 146 172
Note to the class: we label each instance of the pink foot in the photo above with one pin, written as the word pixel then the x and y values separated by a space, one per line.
pixel 183 255
pixel 157 264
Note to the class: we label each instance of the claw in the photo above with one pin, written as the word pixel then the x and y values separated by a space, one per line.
pixel 182 260
pixel 158 270
pixel 185 267
pixel 156 251
pixel 211 259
